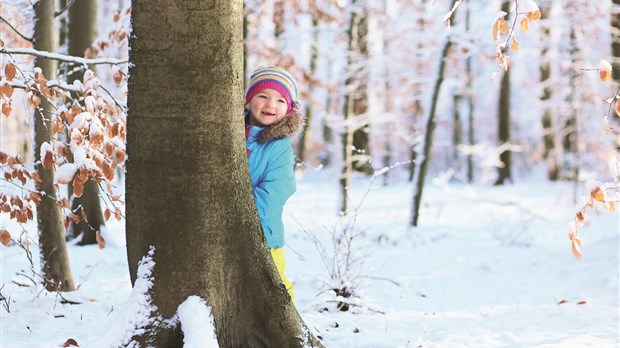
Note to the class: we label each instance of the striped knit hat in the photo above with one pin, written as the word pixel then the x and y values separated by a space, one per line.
pixel 276 78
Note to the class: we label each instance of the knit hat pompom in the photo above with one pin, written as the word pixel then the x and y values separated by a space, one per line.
pixel 276 78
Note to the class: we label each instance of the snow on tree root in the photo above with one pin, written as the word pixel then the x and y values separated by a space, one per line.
pixel 197 323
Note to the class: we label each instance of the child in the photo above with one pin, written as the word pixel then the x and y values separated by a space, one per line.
pixel 272 117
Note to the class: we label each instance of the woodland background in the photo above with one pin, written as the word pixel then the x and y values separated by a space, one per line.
pixel 393 92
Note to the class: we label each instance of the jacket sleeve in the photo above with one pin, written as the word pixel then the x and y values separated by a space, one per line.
pixel 275 187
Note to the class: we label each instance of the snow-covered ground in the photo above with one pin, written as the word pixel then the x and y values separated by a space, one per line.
pixel 488 267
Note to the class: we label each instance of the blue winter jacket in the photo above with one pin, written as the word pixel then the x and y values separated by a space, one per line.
pixel 271 164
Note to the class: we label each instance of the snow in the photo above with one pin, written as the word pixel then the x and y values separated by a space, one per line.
pixel 65 173
pixel 197 324
pixel 488 267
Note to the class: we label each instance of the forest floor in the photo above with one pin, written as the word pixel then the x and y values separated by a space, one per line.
pixel 487 267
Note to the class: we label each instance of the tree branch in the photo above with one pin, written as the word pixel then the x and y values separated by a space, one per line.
pixel 62 57
pixel 29 39
pixel 58 13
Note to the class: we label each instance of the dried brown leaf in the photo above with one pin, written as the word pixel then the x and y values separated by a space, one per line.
pixel 5 237
pixel 100 240
pixel 10 71
pixel 525 24
pixel 6 108
pixel 70 343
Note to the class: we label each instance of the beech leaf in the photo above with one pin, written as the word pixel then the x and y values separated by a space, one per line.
pixel 100 240
pixel 5 237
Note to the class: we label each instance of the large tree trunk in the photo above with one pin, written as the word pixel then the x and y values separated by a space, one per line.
pixel 188 188
pixel 503 120
pixel 82 34
pixel 54 258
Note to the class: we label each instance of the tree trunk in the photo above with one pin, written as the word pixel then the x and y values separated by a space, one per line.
pixel 457 132
pixel 430 129
pixel 355 138
pixel 305 137
pixel 82 34
pixel 615 40
pixel 188 188
pixel 428 136
pixel 548 124
pixel 503 120
pixel 54 258
pixel 470 103
pixel 570 141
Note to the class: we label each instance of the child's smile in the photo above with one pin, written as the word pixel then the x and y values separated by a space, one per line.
pixel 267 107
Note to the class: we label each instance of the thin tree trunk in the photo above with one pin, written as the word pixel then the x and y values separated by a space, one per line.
pixel 457 132
pixel 548 124
pixel 615 40
pixel 503 124
pixel 314 56
pixel 82 34
pixel 428 136
pixel 54 258
pixel 470 103
pixel 355 139
pixel 188 189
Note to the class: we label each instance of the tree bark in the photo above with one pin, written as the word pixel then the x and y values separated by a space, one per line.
pixel 82 34
pixel 428 136
pixel 470 102
pixel 615 41
pixel 430 130
pixel 54 258
pixel 503 121
pixel 188 188
pixel 305 137
pixel 548 118
pixel 355 138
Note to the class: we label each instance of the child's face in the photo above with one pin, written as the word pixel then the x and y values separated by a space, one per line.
pixel 267 107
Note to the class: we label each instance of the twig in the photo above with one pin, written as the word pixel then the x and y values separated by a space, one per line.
pixel 62 57
pixel 356 305
pixel 449 14
pixel 29 39
pixel 58 13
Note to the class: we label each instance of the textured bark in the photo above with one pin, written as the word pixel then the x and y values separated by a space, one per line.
pixel 54 258
pixel 188 188
pixel 503 121
pixel 82 33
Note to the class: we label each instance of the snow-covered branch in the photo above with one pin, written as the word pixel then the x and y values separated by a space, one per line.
pixel 62 57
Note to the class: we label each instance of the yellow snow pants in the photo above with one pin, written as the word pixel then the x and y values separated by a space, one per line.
pixel 278 257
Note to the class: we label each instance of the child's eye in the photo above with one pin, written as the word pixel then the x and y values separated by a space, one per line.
pixel 282 101
pixel 262 96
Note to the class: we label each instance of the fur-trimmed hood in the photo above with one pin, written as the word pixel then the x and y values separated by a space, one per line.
pixel 292 124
